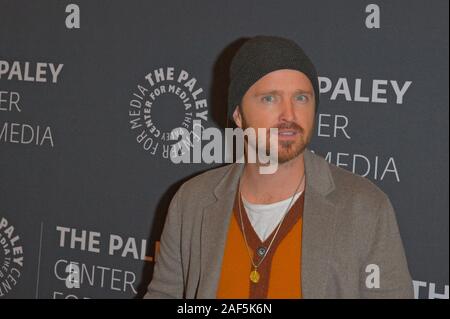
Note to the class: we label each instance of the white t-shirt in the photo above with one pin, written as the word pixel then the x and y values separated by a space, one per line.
pixel 265 217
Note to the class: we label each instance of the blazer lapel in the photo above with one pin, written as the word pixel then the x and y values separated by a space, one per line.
pixel 319 221
pixel 216 219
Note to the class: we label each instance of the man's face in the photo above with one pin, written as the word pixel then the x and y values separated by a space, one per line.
pixel 282 99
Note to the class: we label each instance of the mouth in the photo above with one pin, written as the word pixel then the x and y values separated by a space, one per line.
pixel 287 134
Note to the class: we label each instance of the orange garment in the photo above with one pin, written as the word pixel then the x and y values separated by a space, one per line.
pixel 281 267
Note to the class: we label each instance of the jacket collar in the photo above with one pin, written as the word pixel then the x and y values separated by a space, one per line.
pixel 316 170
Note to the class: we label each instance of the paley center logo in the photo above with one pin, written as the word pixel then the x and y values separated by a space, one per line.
pixel 166 98
pixel 11 257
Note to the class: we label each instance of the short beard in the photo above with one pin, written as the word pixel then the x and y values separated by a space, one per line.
pixel 287 150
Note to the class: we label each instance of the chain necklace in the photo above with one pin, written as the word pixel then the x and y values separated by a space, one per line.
pixel 254 274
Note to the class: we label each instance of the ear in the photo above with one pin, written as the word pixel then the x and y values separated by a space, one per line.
pixel 237 117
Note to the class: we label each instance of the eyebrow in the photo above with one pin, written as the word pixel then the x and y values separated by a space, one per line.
pixel 280 92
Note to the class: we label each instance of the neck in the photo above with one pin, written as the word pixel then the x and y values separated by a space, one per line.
pixel 269 188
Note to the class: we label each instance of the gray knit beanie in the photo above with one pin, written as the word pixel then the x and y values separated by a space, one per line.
pixel 261 55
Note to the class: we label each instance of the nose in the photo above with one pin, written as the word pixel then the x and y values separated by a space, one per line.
pixel 287 111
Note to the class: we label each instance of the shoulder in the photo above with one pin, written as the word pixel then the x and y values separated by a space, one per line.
pixel 208 178
pixel 202 185
pixel 352 190
pixel 355 185
pixel 197 193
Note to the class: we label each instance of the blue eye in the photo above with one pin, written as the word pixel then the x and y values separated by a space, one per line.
pixel 302 98
pixel 268 98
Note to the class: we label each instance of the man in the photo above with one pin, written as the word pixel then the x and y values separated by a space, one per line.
pixel 310 230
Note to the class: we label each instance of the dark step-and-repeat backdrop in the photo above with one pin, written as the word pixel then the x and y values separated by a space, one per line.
pixel 85 173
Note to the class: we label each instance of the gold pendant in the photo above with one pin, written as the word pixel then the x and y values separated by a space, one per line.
pixel 254 276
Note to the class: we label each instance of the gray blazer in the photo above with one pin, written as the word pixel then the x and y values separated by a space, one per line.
pixel 348 224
